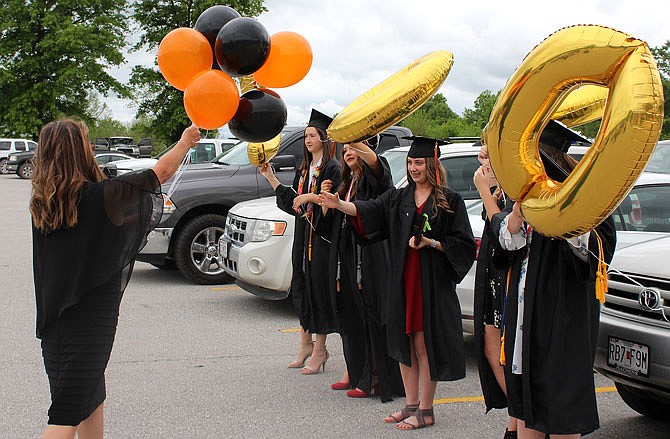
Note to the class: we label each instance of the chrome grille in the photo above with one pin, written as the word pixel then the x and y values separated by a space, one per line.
pixel 236 228
pixel 624 295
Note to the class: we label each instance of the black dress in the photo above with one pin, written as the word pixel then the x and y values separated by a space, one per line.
pixel 359 281
pixel 391 215
pixel 556 391
pixel 311 252
pixel 489 295
pixel 80 274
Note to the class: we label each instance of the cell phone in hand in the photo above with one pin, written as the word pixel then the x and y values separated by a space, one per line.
pixel 417 227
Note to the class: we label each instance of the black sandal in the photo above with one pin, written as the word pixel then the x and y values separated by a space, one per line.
pixel 420 416
pixel 510 434
pixel 406 412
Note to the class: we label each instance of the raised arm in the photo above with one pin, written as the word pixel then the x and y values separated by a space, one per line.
pixel 168 164
pixel 332 201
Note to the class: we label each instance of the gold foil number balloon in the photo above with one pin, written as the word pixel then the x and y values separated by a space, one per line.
pixel 630 126
pixel 393 99
pixel 261 153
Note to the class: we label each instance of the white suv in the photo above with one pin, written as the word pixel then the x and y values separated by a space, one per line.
pixel 11 146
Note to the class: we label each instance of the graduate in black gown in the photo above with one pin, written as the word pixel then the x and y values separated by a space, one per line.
pixel 311 243
pixel 489 294
pixel 551 317
pixel 359 280
pixel 87 230
pixel 432 248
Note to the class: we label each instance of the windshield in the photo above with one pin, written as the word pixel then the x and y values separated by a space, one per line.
pixel 398 163
pixel 237 155
pixel 659 161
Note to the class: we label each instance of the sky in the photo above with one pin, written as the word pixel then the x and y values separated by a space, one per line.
pixel 357 44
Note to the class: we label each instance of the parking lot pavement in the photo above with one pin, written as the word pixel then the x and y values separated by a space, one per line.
pixel 193 361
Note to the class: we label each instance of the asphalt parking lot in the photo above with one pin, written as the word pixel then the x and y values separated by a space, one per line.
pixel 193 361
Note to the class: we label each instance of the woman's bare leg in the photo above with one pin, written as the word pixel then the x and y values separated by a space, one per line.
pixel 93 427
pixel 492 352
pixel 426 385
pixel 410 381
pixel 58 432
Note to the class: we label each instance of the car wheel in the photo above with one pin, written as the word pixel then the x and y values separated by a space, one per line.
pixel 196 250
pixel 3 166
pixel 25 170
pixel 647 405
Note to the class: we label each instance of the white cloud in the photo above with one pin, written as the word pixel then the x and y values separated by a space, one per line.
pixel 359 43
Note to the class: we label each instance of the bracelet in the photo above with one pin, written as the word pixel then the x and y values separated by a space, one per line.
pixel 433 244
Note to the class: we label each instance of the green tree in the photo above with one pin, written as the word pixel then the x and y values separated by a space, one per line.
pixel 479 115
pixel 426 120
pixel 159 101
pixel 53 54
pixel 662 57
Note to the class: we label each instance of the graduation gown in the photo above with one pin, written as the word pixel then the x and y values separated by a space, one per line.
pixel 391 216
pixel 80 274
pixel 490 267
pixel 309 283
pixel 556 391
pixel 360 311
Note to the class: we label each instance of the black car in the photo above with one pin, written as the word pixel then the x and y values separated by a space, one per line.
pixel 21 163
pixel 194 216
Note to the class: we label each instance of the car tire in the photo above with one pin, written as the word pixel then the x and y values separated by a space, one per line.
pixel 3 166
pixel 648 406
pixel 25 170
pixel 196 250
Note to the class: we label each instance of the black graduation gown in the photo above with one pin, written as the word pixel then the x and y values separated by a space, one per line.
pixel 556 392
pixel 360 311
pixel 80 274
pixel 309 284
pixel 391 216
pixel 487 269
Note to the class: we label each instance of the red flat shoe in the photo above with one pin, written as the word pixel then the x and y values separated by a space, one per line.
pixel 340 385
pixel 357 393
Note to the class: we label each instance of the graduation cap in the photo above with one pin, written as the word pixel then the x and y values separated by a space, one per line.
pixel 561 137
pixel 319 120
pixel 424 147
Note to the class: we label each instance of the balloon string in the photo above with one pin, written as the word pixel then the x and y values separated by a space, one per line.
pixel 610 269
pixel 180 172
pixel 306 217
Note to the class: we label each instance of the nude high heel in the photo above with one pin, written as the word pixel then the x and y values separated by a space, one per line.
pixel 305 351
pixel 311 369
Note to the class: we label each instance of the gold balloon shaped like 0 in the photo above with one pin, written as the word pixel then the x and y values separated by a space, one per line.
pixel 583 105
pixel 261 153
pixel 393 99
pixel 630 126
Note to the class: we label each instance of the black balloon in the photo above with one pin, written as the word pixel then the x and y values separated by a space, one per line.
pixel 210 22
pixel 242 46
pixel 260 116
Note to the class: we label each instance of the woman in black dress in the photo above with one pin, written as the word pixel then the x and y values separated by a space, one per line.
pixel 432 248
pixel 311 243
pixel 87 230
pixel 359 280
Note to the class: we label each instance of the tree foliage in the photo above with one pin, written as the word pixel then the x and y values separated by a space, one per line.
pixel 53 55
pixel 159 101
pixel 662 57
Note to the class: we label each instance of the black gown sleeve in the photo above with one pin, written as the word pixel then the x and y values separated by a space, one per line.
pixel 374 215
pixel 457 240
pixel 286 195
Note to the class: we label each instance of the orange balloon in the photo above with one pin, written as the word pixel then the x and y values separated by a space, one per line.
pixel 211 99
pixel 289 61
pixel 182 54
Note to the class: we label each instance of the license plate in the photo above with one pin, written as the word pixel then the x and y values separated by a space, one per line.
pixel 628 357
pixel 223 249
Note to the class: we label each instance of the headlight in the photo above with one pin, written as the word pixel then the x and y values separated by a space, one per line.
pixel 12 158
pixel 168 205
pixel 263 230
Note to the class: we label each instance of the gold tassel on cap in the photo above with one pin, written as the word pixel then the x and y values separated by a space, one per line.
pixel 601 272
pixel 436 156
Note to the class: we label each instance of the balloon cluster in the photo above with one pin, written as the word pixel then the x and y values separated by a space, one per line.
pixel 223 45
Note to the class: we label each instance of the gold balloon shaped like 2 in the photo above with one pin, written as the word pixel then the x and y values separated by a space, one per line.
pixel 261 153
pixel 391 100
pixel 631 123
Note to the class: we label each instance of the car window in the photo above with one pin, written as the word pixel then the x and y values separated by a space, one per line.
pixel 660 159
pixel 237 155
pixel 4 145
pixel 20 146
pixel 295 149
pixel 645 209
pixel 32 146
pixel 388 142
pixel 203 152
pixel 102 159
pixel 397 161
pixel 460 170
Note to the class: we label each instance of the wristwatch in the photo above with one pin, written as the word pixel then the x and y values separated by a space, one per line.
pixel 433 244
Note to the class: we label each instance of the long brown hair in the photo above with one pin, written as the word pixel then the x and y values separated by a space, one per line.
pixel 439 196
pixel 63 162
pixel 349 174
pixel 307 156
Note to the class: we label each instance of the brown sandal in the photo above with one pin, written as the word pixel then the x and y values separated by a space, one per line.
pixel 405 413
pixel 420 416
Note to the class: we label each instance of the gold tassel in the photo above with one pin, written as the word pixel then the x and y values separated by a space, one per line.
pixel 309 244
pixel 338 285
pixel 436 157
pixel 502 336
pixel 601 273
pixel 502 350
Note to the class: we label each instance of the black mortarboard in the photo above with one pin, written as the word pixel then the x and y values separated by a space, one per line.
pixel 561 137
pixel 319 120
pixel 422 147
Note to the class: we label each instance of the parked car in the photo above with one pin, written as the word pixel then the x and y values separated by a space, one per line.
pixel 205 151
pixel 108 157
pixel 195 216
pixel 22 164
pixel 126 145
pixel 13 146
pixel 634 338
